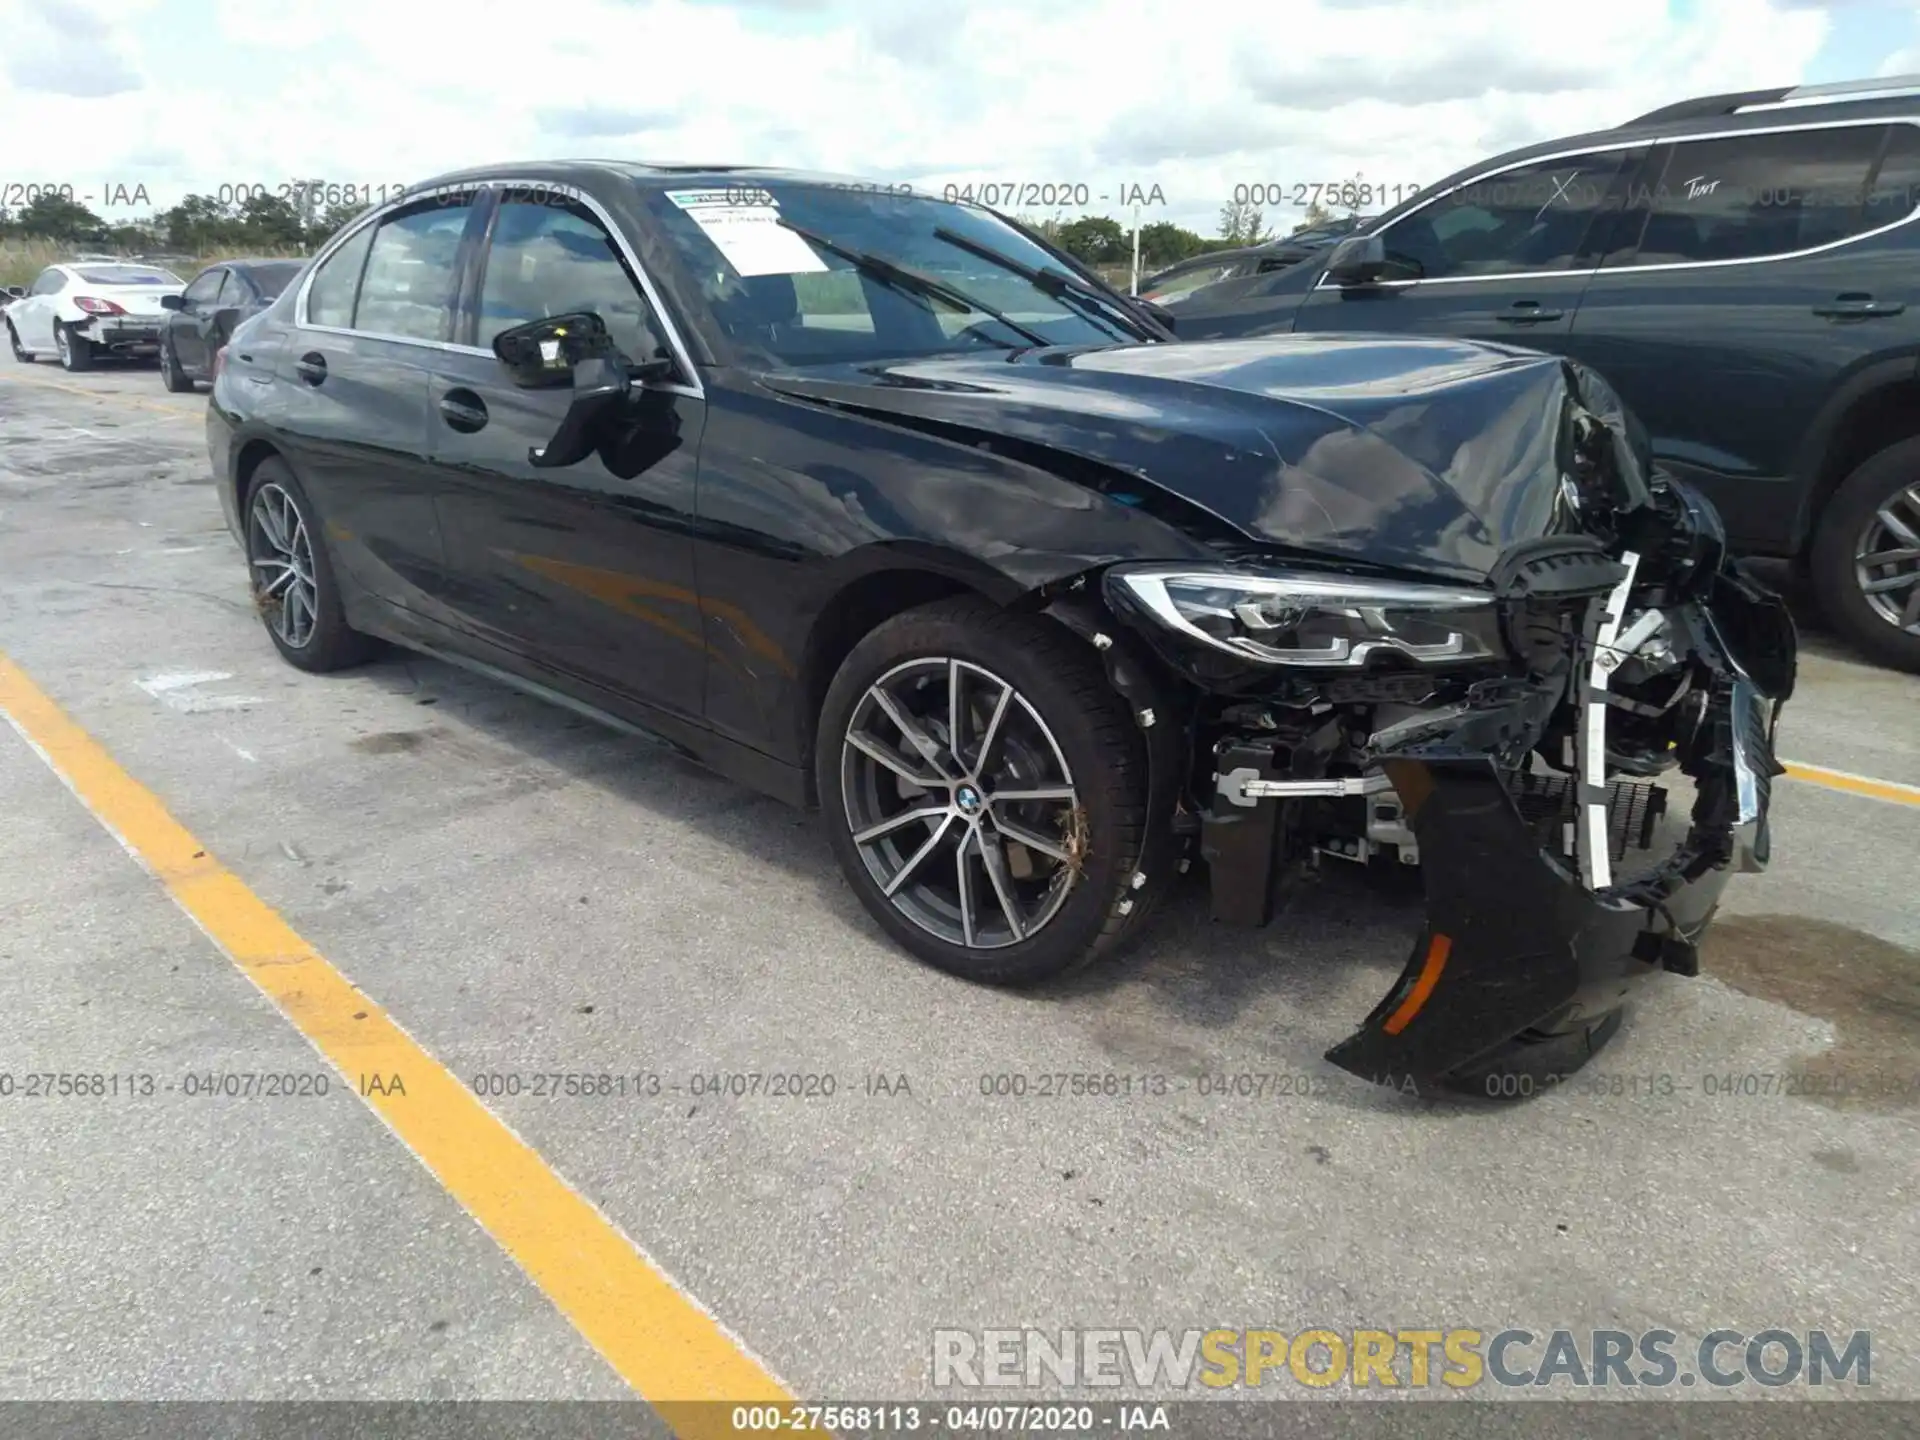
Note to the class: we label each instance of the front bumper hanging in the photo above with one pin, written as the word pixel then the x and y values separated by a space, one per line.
pixel 1527 953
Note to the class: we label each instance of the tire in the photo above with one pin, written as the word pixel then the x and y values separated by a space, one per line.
pixel 76 351
pixel 171 375
pixel 1060 720
pixel 20 353
pixel 1856 522
pixel 277 518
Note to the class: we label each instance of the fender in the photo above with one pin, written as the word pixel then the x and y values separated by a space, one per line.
pixel 1808 461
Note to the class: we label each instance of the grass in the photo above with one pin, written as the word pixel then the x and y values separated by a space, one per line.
pixel 22 260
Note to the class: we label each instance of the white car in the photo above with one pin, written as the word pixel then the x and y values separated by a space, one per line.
pixel 87 309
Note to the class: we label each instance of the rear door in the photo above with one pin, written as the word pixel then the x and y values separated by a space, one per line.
pixel 586 570
pixel 351 393
pixel 187 326
pixel 1760 275
pixel 1505 256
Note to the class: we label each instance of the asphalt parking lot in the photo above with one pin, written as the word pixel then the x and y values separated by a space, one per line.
pixel 516 893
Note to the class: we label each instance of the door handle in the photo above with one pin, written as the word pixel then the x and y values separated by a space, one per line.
pixel 1855 306
pixel 1525 312
pixel 463 411
pixel 311 367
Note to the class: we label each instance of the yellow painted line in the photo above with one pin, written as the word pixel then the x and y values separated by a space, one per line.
pixel 660 1340
pixel 1852 784
pixel 117 396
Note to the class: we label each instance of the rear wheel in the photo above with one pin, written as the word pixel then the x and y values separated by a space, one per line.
pixel 75 351
pixel 20 352
pixel 1866 556
pixel 985 791
pixel 294 587
pixel 171 374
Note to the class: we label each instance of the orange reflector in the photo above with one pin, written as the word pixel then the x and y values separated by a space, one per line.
pixel 1438 949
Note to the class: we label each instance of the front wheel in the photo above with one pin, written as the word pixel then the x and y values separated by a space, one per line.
pixel 75 351
pixel 171 375
pixel 294 587
pixel 986 792
pixel 20 352
pixel 1866 556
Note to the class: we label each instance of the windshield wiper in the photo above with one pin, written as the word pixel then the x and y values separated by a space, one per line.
pixel 891 273
pixel 1056 283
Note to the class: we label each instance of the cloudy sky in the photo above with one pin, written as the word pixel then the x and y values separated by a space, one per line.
pixel 1193 96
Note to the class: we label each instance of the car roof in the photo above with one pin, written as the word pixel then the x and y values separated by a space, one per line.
pixel 1683 120
pixel 654 174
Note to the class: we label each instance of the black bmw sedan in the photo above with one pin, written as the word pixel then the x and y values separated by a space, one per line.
pixel 873 501
pixel 204 314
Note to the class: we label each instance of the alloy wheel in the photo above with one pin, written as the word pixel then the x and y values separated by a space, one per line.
pixel 961 804
pixel 62 342
pixel 166 364
pixel 281 554
pixel 1886 561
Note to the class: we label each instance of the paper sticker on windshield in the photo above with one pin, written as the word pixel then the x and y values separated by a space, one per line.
pixel 744 225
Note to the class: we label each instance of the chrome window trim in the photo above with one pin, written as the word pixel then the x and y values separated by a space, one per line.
pixel 682 357
pixel 1650 141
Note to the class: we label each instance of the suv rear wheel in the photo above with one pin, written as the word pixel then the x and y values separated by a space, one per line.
pixel 1866 556
pixel 986 792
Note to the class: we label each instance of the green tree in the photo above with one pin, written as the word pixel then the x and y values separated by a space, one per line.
pixel 1096 240
pixel 269 222
pixel 328 224
pixel 200 225
pixel 1164 243
pixel 54 217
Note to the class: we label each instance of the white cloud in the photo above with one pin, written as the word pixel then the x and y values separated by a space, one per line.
pixel 1195 96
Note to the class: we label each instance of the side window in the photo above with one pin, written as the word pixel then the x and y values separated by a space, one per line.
pixel 233 290
pixel 337 282
pixel 1531 218
pixel 548 259
pixel 1746 197
pixel 409 283
pixel 49 283
pixel 204 288
pixel 1894 191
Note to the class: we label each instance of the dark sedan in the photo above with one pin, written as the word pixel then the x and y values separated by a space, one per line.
pixel 205 313
pixel 867 500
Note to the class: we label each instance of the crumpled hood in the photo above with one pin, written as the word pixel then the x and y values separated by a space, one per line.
pixel 1419 453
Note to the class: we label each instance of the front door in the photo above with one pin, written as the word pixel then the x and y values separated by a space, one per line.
pixel 187 326
pixel 584 571
pixel 1504 257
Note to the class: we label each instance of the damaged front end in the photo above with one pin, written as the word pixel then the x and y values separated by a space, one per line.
pixel 1508 738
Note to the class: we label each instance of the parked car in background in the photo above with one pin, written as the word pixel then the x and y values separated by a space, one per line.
pixel 86 310
pixel 1744 268
pixel 864 500
pixel 1176 282
pixel 204 314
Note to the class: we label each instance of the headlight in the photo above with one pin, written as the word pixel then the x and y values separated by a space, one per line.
pixel 1302 618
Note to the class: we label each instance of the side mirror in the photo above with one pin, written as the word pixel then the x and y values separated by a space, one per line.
pixel 1358 260
pixel 16 292
pixel 542 354
pixel 173 302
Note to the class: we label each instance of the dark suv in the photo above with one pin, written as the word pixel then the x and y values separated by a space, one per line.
pixel 1743 268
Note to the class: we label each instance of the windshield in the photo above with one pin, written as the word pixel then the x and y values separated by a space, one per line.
pixel 127 275
pixel 784 300
pixel 270 280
